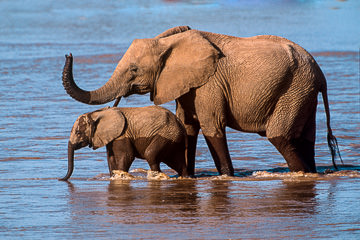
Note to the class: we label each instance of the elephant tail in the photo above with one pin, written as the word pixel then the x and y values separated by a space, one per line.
pixel 331 139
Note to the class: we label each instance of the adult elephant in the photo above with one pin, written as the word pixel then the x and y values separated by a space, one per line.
pixel 263 84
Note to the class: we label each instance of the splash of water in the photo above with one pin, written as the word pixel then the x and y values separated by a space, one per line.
pixel 154 175
pixel 298 176
pixel 121 175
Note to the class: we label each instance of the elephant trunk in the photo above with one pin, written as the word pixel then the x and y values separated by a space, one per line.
pixel 104 94
pixel 71 150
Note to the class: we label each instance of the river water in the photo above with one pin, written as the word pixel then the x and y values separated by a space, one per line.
pixel 263 200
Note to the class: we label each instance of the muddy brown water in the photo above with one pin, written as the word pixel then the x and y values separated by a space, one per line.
pixel 263 200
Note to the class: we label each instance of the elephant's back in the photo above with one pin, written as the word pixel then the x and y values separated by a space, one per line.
pixel 259 45
pixel 153 120
pixel 272 38
pixel 170 126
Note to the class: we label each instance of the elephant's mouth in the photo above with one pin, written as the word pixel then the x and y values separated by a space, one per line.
pixel 139 89
pixel 77 146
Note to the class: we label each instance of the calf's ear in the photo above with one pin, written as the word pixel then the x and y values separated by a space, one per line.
pixel 109 124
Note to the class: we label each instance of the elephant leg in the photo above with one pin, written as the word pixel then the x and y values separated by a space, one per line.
pixel 110 157
pixel 211 111
pixel 191 153
pixel 307 143
pixel 298 153
pixel 120 155
pixel 220 153
pixel 156 152
pixel 192 128
pixel 176 159
pixel 155 167
pixel 307 148
pixel 291 128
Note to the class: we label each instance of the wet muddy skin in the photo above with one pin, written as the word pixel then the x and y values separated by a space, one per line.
pixel 262 200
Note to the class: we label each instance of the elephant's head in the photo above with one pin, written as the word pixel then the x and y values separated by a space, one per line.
pixel 95 129
pixel 167 66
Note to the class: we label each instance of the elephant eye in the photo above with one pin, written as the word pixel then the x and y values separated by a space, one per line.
pixel 133 68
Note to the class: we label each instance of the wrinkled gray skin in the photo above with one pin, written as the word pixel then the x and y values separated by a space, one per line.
pixel 152 133
pixel 263 84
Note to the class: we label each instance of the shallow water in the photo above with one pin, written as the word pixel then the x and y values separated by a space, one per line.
pixel 263 200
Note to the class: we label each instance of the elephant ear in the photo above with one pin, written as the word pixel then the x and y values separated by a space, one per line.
pixel 189 60
pixel 109 124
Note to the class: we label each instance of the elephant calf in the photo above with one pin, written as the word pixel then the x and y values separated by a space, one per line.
pixel 152 133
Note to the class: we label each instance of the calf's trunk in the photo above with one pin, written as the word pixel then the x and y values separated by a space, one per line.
pixel 71 150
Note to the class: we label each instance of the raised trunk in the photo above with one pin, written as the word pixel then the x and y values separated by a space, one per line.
pixel 104 94
pixel 71 150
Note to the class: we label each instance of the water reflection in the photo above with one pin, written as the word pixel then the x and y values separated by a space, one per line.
pixel 294 198
pixel 161 197
pixel 192 200
pixel 218 204
pixel 279 207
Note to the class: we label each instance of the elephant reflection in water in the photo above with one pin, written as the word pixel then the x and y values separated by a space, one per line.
pixel 293 197
pixel 254 204
pixel 219 202
pixel 235 201
pixel 264 84
pixel 157 201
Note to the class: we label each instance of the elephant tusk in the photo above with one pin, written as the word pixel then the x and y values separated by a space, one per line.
pixel 117 101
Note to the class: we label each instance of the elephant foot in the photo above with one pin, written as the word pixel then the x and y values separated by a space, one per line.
pixel 227 172
pixel 121 175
